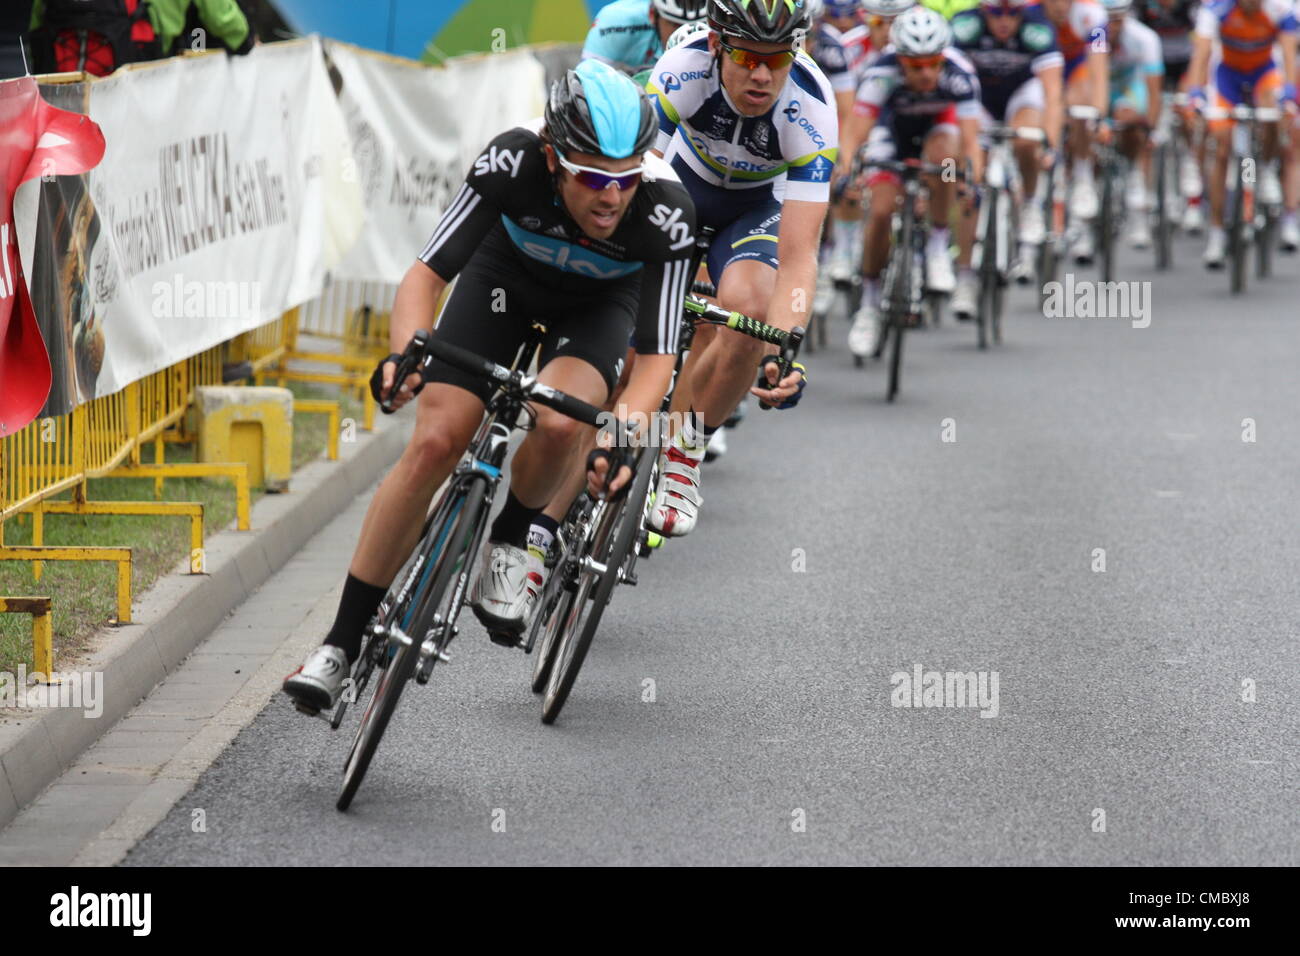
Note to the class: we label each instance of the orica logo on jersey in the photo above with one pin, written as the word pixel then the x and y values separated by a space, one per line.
pixel 669 220
pixel 499 161
pixel 674 81
pixel 792 113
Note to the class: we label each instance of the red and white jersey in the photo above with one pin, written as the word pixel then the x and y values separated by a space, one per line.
pixel 857 44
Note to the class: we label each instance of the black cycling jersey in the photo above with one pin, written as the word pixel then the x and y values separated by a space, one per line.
pixel 1004 66
pixel 509 198
pixel 910 114
pixel 1173 23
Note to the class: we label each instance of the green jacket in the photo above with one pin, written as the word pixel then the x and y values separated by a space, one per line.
pixel 222 18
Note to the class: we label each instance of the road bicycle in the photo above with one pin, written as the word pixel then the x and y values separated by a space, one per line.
pixel 996 228
pixel 1247 220
pixel 416 620
pixel 903 295
pixel 599 543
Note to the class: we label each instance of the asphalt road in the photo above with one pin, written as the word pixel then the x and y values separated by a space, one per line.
pixel 772 738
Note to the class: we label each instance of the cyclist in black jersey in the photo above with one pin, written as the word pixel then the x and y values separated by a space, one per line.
pixel 570 223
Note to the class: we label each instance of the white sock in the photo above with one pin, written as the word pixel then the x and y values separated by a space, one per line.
pixel 938 240
pixel 691 437
pixel 844 231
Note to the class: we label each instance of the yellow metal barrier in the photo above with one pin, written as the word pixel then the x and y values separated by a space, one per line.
pixel 120 555
pixel 323 407
pixel 42 631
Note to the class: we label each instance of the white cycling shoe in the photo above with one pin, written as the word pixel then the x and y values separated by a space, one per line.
pixel 1270 187
pixel 678 498
pixel 317 684
pixel 964 298
pixel 1084 248
pixel 1032 229
pixel 939 275
pixel 1083 200
pixel 1189 177
pixel 1193 219
pixel 717 445
pixel 1139 234
pixel 1215 249
pixel 502 598
pixel 865 333
pixel 1290 235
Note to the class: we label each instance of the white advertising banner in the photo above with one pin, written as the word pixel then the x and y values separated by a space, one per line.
pixel 415 131
pixel 222 200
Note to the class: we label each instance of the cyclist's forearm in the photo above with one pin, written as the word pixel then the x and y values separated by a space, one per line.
pixel 646 386
pixel 1200 61
pixel 1099 75
pixel 415 306
pixel 1288 43
pixel 1154 101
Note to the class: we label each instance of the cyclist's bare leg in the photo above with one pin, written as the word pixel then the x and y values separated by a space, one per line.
pixel 725 370
pixel 875 250
pixel 1026 150
pixel 446 419
pixel 534 476
pixel 1221 133
pixel 939 149
pixel 575 470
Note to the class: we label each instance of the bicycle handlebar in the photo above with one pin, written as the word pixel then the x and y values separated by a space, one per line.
pixel 423 347
pixel 914 167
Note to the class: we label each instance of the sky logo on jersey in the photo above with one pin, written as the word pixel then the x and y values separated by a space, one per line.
pixel 669 220
pixel 567 257
pixel 792 113
pixel 499 161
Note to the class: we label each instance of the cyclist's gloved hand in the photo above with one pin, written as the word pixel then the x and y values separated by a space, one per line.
pixel 609 473
pixel 381 383
pixel 787 392
pixel 1197 99
pixel 1288 93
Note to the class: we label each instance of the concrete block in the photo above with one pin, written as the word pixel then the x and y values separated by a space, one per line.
pixel 249 424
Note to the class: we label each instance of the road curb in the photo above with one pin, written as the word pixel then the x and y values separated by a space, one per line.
pixel 181 610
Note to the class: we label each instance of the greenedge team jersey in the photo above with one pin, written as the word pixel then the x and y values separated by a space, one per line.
pixel 1003 66
pixel 790 150
pixel 950 8
pixel 624 37
pixel 508 209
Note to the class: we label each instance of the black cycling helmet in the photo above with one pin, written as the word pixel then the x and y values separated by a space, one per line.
pixel 595 109
pixel 767 21
pixel 681 11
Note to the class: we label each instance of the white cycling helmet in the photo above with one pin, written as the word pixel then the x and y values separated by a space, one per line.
pixel 919 31
pixel 1117 8
pixel 681 11
pixel 686 33
pixel 815 10
pixel 887 8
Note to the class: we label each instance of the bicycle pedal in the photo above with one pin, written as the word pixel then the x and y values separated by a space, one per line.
pixel 308 711
pixel 505 639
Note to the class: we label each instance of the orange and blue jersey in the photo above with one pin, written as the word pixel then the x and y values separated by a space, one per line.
pixel 1246 38
pixel 1084 30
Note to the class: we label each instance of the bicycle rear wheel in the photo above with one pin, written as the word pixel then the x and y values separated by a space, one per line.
pixel 557 598
pixel 614 537
pixel 1166 169
pixel 895 332
pixel 1106 223
pixel 1237 240
pixel 465 518
pixel 1264 244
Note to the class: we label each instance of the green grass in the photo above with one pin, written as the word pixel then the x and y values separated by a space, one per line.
pixel 85 592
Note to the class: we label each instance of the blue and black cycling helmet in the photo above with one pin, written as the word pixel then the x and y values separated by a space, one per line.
pixel 595 109
pixel 766 21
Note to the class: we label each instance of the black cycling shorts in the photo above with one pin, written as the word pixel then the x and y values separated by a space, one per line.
pixel 494 303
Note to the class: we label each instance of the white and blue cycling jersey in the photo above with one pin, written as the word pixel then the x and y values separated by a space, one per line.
pixel 786 153
pixel 624 37
pixel 1134 56
pixel 832 56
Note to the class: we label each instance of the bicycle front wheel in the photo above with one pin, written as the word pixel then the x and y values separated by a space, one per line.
pixel 614 537
pixel 464 519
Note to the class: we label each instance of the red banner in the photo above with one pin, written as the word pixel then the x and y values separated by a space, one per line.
pixel 36 139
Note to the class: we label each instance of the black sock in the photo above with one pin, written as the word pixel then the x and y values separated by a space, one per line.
pixel 511 526
pixel 357 606
pixel 546 521
pixel 708 430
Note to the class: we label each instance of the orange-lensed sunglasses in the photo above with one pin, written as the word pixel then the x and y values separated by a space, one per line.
pixel 752 59
pixel 921 62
